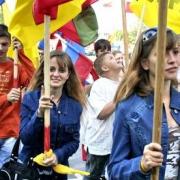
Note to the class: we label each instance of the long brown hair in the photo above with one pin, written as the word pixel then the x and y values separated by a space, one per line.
pixel 72 87
pixel 136 79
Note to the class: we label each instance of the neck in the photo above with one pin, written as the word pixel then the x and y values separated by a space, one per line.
pixel 56 92
pixel 112 75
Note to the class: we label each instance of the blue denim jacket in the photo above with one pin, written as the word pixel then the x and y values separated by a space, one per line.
pixel 64 130
pixel 132 131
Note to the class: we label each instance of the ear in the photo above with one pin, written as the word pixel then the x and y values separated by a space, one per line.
pixel 145 64
pixel 104 68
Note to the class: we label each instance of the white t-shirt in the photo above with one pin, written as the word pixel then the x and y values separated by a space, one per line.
pixel 98 134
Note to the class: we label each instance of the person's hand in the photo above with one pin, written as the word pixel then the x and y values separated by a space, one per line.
pixel 14 95
pixel 51 161
pixel 152 157
pixel 44 103
pixel 16 43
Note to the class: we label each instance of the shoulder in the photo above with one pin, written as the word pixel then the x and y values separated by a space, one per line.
pixel 31 96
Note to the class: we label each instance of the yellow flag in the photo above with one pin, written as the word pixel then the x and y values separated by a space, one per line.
pixel 151 13
pixel 22 24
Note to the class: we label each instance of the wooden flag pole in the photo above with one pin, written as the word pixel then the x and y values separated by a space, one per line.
pixel 159 79
pixel 15 69
pixel 46 81
pixel 125 33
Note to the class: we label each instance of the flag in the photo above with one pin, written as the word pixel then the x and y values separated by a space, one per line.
pixel 151 13
pixel 1 2
pixel 87 3
pixel 83 65
pixel 22 24
pixel 83 29
pixel 48 7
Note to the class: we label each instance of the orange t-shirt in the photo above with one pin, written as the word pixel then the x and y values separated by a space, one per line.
pixel 9 112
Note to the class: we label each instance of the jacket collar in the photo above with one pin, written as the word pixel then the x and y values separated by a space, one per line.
pixel 174 101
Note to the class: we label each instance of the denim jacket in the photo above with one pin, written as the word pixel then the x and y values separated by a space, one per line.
pixel 132 131
pixel 64 128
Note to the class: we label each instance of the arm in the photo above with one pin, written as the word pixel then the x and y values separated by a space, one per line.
pixel 122 165
pixel 107 110
pixel 24 60
pixel 31 129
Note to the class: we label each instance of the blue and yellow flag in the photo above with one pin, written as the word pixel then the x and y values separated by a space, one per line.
pixel 151 12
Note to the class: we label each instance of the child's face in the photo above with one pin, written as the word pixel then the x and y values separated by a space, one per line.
pixel 111 63
pixel 4 46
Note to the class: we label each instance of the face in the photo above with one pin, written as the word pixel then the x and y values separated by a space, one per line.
pixel 4 46
pixel 58 75
pixel 170 70
pixel 119 58
pixel 111 63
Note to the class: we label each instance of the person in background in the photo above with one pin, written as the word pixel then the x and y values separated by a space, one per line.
pixel 119 56
pixel 102 46
pixel 10 94
pixel 178 72
pixel 133 154
pixel 98 129
pixel 65 103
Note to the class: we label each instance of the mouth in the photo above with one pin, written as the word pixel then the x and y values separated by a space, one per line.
pixel 172 69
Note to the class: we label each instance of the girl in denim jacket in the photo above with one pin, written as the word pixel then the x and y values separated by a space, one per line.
pixel 65 103
pixel 133 155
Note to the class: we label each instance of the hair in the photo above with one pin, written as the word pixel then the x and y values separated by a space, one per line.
pixel 98 63
pixel 72 87
pixel 102 44
pixel 4 31
pixel 136 79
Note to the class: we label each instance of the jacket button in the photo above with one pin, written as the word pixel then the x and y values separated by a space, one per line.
pixel 59 112
pixel 175 111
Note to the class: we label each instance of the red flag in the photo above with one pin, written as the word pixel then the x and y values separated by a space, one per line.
pixel 48 7
pixel 87 3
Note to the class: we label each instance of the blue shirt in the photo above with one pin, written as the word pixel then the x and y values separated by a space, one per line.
pixel 64 128
pixel 132 131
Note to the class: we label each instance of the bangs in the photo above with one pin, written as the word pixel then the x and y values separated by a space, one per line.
pixel 62 63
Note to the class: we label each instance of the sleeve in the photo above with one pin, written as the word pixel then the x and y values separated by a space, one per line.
pixel 121 165
pixel 26 63
pixel 31 129
pixel 72 143
pixel 97 99
pixel 3 101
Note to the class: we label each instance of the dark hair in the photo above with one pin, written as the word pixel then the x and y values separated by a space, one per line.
pixel 102 44
pixel 4 31
pixel 72 87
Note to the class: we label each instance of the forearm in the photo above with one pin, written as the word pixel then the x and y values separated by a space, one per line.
pixel 107 111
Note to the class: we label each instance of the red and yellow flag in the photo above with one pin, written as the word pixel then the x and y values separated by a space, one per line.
pixel 22 24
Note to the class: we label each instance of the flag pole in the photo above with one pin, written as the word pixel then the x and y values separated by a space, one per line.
pixel 125 33
pixel 15 69
pixel 46 81
pixel 159 78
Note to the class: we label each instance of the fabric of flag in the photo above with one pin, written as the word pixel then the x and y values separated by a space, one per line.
pixel 87 3
pixel 22 24
pixel 83 65
pixel 48 7
pixel 151 13
pixel 83 29
pixel 1 2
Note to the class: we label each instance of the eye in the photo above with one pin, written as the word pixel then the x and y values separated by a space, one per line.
pixel 52 69
pixel 175 51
